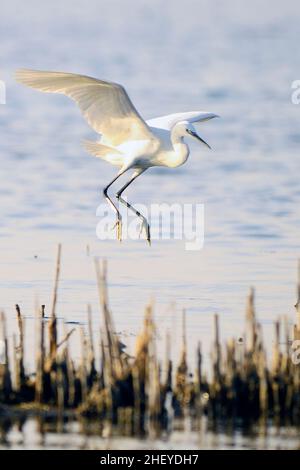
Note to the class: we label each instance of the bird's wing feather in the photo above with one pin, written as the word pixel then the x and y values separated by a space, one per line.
pixel 99 150
pixel 169 121
pixel 105 105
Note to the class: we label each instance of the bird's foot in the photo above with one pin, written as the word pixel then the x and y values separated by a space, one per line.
pixel 118 227
pixel 145 226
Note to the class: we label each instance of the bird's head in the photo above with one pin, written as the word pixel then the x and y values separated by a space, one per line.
pixel 185 127
pixel 188 130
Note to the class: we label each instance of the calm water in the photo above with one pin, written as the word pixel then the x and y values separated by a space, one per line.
pixel 235 59
pixel 31 435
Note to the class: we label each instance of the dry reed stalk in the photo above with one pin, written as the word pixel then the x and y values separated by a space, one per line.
pixel 152 380
pixel 111 341
pixel 181 390
pixel 70 375
pixel 16 365
pixel 60 390
pixel 20 349
pixel 140 371
pixel 91 349
pixel 276 357
pixel 40 355
pixel 66 338
pixel 198 388
pixel 5 376
pixel 250 323
pixel 82 370
pixel 53 320
pixel 167 383
pixel 106 340
pixel 217 357
pixel 263 385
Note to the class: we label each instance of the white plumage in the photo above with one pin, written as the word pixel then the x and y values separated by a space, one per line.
pixel 127 141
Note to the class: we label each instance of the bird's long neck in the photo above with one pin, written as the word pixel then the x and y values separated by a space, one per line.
pixel 181 150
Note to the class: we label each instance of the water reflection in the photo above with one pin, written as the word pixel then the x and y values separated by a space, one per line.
pixel 46 432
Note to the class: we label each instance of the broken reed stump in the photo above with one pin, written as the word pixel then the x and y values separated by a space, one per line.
pixel 40 354
pixel 297 306
pixel 19 353
pixel 5 374
pixel 135 394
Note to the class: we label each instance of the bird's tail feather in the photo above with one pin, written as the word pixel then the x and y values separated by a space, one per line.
pixel 99 150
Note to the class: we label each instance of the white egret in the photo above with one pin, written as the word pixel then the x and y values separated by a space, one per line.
pixel 127 141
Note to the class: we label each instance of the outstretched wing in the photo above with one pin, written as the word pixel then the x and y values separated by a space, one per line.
pixel 167 122
pixel 105 105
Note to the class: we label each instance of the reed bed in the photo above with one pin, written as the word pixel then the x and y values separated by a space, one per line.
pixel 140 394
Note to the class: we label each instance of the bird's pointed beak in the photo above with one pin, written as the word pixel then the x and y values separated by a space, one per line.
pixel 193 134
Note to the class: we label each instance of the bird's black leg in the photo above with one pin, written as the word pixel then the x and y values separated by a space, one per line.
pixel 118 224
pixel 144 220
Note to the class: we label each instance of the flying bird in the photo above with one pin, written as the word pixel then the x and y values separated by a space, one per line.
pixel 127 141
